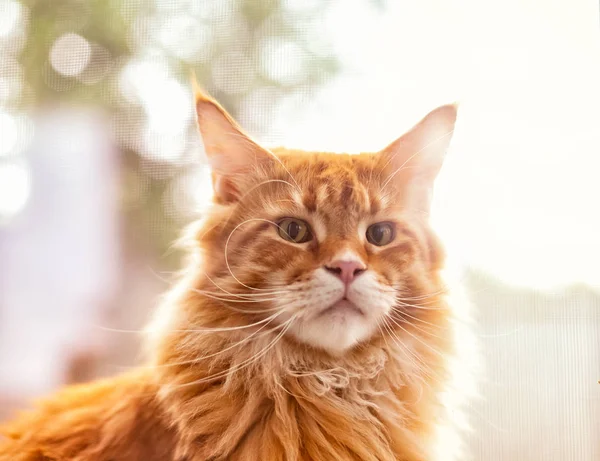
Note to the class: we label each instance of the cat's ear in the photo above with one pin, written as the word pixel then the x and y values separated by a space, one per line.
pixel 415 159
pixel 232 154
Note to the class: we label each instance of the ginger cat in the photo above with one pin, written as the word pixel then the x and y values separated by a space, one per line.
pixel 312 323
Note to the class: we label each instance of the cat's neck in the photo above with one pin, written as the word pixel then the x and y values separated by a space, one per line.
pixel 230 395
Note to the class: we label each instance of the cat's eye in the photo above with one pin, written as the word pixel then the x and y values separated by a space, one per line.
pixel 294 230
pixel 381 234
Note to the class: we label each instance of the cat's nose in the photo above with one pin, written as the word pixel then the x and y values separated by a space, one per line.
pixel 347 271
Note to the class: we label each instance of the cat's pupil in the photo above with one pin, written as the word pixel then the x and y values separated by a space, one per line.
pixel 377 233
pixel 293 230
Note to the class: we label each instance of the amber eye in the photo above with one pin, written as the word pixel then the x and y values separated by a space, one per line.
pixel 380 234
pixel 294 230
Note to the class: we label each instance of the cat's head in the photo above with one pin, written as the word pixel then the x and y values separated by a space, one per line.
pixel 332 250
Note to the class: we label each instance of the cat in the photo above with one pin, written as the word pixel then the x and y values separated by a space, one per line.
pixel 312 322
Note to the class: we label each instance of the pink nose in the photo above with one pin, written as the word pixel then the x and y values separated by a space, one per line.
pixel 347 271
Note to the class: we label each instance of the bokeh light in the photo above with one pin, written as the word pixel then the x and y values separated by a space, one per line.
pixel 11 17
pixel 516 198
pixel 283 61
pixel 70 54
pixel 185 37
pixel 98 66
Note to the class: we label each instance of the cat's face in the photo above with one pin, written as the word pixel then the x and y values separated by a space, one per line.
pixel 331 249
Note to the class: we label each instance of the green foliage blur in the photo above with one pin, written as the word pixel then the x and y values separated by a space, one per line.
pixel 240 50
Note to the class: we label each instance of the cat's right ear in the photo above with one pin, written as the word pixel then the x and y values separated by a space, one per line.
pixel 232 154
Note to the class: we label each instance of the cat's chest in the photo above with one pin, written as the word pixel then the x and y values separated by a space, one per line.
pixel 332 426
pixel 307 417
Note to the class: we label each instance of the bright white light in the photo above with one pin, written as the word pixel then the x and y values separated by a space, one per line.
pixel 163 146
pixel 70 54
pixel 209 9
pixel 260 97
pixel 519 192
pixel 185 37
pixel 282 61
pixel 300 6
pixel 10 15
pixel 166 101
pixel 200 188
pixel 15 185
pixel 140 77
pixel 8 133
pixel 168 108
pixel 191 193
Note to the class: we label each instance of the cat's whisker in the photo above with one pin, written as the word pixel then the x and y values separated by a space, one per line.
pixel 423 368
pixel 160 277
pixel 421 329
pixel 189 330
pixel 424 302
pixel 243 341
pixel 247 296
pixel 423 308
pixel 266 292
pixel 389 322
pixel 231 299
pixel 252 189
pixel 257 297
pixel 263 291
pixel 278 160
pixel 244 364
pixel 227 246
pixel 247 311
pixel 269 292
pixel 410 355
pixel 428 346
pixel 420 379
pixel 442 291
pixel 399 343
pixel 251 311
pixel 405 314
pixel 273 287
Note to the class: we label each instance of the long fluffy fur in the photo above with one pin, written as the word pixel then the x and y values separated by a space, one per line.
pixel 225 382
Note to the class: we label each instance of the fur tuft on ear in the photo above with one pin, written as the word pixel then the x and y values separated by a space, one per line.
pixel 416 158
pixel 232 154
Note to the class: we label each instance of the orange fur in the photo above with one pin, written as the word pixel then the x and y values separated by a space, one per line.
pixel 224 382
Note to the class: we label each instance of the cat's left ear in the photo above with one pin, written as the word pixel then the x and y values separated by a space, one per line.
pixel 415 159
pixel 232 154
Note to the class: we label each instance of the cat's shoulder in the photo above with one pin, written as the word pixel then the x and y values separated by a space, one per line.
pixel 116 418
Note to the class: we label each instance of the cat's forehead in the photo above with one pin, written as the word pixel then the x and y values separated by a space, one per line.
pixel 335 184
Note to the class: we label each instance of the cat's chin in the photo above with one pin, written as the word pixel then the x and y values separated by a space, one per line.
pixel 336 329
pixel 342 309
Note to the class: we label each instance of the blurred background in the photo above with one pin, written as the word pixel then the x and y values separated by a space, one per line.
pixel 101 167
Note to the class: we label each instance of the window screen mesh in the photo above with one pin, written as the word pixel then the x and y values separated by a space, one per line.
pixel 101 167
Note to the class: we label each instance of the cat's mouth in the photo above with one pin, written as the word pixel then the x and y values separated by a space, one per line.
pixel 343 306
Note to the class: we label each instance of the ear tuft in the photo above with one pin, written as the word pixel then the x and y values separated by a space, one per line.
pixel 199 92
